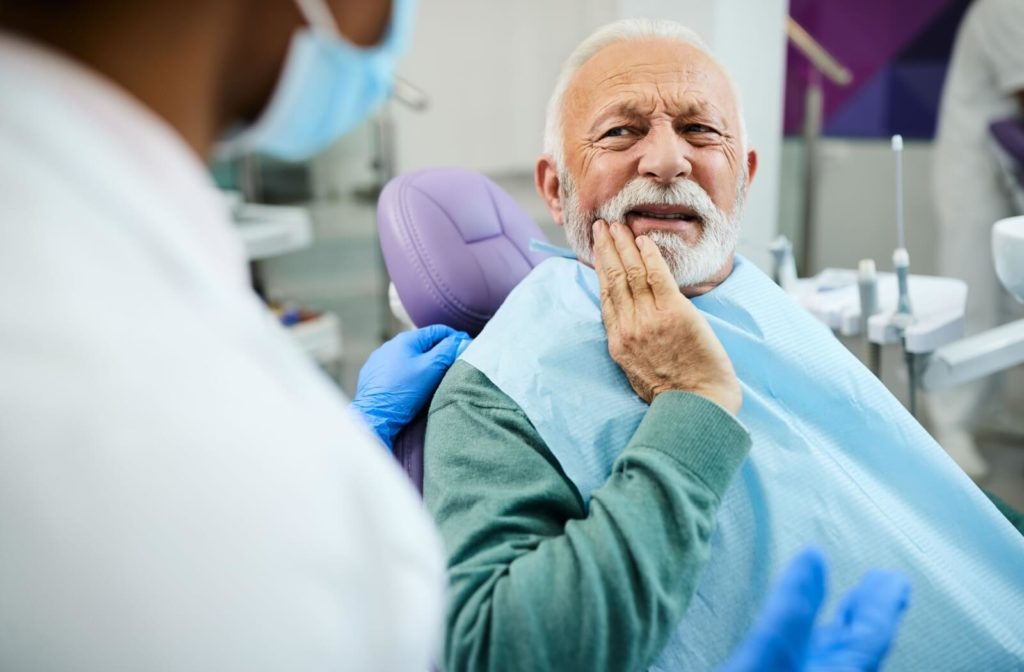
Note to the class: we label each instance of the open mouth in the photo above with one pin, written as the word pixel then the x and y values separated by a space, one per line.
pixel 665 212
pixel 645 218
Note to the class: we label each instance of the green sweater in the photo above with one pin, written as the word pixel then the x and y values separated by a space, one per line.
pixel 538 581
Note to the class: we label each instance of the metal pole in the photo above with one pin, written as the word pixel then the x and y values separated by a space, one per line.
pixel 813 115
pixel 912 381
pixel 385 161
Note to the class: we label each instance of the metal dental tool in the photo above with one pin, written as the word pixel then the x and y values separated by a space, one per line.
pixel 903 317
pixel 867 284
pixel 900 257
pixel 784 266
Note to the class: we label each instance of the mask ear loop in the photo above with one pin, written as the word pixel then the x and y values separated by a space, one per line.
pixel 318 16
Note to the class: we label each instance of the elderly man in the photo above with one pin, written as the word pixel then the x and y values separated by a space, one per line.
pixel 578 503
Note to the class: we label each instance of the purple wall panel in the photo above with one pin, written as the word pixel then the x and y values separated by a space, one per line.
pixel 897 51
pixel 866 111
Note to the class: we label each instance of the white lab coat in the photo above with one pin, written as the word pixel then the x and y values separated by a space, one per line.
pixel 180 488
pixel 985 73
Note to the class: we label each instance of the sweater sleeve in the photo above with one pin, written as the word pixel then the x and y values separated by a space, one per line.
pixel 540 581
pixel 1015 517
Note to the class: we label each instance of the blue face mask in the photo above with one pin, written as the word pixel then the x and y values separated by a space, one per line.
pixel 327 87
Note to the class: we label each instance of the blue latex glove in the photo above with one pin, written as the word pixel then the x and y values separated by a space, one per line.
pixel 400 376
pixel 857 639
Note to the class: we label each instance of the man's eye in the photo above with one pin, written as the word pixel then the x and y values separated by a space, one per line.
pixel 617 132
pixel 698 128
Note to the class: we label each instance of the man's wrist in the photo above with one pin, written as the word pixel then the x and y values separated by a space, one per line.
pixel 714 396
pixel 697 433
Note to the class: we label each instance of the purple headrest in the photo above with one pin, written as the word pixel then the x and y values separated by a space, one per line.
pixel 455 244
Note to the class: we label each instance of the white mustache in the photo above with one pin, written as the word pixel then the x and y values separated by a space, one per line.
pixel 640 191
pixel 691 263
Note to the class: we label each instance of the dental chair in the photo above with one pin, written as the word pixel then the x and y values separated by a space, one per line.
pixel 455 244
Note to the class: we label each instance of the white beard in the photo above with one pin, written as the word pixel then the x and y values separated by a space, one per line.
pixel 691 265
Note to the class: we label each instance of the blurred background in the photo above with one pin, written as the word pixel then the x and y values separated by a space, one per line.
pixel 825 84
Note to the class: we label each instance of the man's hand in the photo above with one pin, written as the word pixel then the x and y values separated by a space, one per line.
pixel 400 376
pixel 658 338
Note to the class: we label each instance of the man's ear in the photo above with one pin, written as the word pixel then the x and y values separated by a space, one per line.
pixel 545 178
pixel 751 166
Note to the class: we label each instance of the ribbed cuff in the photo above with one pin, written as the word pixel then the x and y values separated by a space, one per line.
pixel 697 433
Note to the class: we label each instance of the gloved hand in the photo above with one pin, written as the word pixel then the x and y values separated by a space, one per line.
pixel 857 639
pixel 399 377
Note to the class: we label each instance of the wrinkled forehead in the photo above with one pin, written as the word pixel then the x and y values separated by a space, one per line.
pixel 650 74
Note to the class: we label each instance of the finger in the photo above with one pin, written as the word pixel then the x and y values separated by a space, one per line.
pixel 448 350
pixel 635 268
pixel 615 295
pixel 605 256
pixel 794 602
pixel 779 638
pixel 867 620
pixel 659 277
pixel 881 596
pixel 422 340
pixel 436 362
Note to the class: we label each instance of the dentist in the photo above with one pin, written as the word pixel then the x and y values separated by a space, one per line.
pixel 180 489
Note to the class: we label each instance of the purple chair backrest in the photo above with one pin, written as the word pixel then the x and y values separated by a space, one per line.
pixel 455 244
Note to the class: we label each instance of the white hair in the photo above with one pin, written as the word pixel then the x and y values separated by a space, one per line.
pixel 620 31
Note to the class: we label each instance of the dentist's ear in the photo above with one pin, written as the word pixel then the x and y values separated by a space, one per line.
pixel 363 22
pixel 548 186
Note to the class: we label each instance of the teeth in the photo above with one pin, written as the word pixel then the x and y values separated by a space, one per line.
pixel 655 215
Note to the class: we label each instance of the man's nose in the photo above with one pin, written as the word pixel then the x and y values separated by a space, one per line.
pixel 665 157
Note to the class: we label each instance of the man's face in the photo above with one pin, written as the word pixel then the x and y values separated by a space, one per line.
pixel 652 139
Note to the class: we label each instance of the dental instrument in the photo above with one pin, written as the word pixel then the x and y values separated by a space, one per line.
pixel 900 257
pixel 784 265
pixel 867 285
pixel 904 316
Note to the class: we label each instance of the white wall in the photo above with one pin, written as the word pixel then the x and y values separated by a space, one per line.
pixel 700 15
pixel 749 39
pixel 490 65
pixel 856 203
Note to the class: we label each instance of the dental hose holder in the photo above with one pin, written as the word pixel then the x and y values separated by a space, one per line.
pixel 904 316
